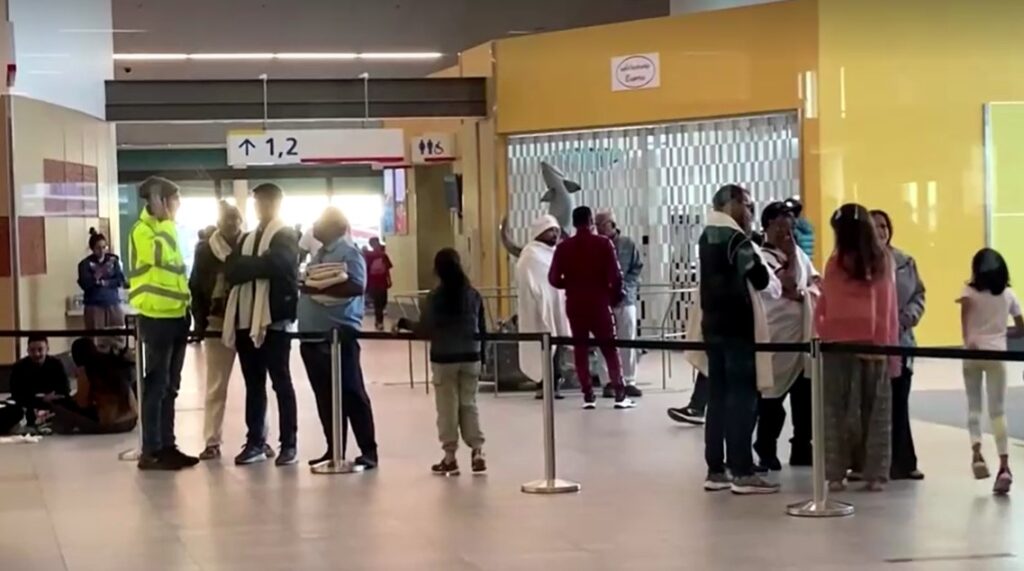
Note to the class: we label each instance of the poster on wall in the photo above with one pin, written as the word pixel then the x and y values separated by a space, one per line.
pixel 68 189
pixel 394 220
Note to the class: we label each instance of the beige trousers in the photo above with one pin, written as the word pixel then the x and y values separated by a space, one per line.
pixel 220 361
pixel 455 388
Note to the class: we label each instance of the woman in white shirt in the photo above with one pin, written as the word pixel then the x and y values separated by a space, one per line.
pixel 986 303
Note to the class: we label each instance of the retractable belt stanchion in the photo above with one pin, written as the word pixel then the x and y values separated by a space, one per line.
pixel 550 484
pixel 133 454
pixel 339 431
pixel 820 505
pixel 412 374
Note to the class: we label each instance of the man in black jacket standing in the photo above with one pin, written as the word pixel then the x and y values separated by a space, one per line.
pixel 730 267
pixel 263 274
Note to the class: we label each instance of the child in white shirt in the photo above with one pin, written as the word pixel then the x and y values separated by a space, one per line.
pixel 986 304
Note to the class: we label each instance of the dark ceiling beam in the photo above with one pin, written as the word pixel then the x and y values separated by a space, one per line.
pixel 251 173
pixel 224 100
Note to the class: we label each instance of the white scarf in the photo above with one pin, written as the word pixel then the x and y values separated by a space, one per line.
pixel 219 246
pixel 762 334
pixel 254 294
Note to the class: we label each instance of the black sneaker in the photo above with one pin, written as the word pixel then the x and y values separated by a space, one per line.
pixel 479 462
pixel 175 456
pixel 367 463
pixel 768 464
pixel 446 468
pixel 251 454
pixel 327 456
pixel 157 462
pixel 801 456
pixel 633 391
pixel 269 451
pixel 608 392
pixel 687 415
pixel 717 482
pixel 288 456
pixel 589 402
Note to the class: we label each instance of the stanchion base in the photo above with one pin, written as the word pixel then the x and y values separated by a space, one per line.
pixel 132 455
pixel 556 486
pixel 341 467
pixel 828 508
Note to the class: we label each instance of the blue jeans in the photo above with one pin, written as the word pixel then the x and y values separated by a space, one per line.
pixel 732 408
pixel 164 350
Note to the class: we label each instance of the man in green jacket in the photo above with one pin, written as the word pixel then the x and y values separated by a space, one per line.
pixel 158 290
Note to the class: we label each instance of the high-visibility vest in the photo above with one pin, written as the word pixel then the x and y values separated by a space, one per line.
pixel 157 286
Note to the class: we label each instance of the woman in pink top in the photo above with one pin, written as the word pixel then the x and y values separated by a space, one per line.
pixel 857 305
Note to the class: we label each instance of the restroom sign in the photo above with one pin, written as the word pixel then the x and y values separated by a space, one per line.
pixel 432 148
pixel 637 71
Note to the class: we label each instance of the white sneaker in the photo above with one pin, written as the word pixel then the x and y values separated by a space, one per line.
pixel 625 403
pixel 589 405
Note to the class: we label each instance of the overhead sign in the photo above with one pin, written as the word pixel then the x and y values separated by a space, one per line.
pixel 316 146
pixel 432 148
pixel 637 71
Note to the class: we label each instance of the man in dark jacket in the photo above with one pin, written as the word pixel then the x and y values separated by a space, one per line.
pixel 729 265
pixel 586 267
pixel 263 273
pixel 38 380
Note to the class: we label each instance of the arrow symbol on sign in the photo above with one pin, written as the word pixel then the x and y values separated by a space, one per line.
pixel 247 146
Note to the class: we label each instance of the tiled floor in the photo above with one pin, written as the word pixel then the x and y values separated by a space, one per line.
pixel 67 503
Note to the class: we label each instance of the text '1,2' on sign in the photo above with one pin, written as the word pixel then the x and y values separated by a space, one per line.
pixel 316 146
pixel 432 148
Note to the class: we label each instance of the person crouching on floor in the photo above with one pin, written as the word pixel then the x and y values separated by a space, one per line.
pixel 453 317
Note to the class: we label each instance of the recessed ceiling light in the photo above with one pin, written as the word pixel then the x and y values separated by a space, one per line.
pixel 400 55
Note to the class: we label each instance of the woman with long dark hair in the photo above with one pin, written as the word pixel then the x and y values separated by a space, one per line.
pixel 453 318
pixel 858 305
pixel 910 309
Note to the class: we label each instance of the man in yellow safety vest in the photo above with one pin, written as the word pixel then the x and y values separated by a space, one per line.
pixel 158 290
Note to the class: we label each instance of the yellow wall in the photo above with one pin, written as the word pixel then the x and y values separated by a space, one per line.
pixel 727 62
pixel 902 86
pixel 1005 146
pixel 46 131
pixel 713 64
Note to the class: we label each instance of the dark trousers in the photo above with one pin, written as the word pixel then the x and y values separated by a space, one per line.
pixel 599 322
pixel 356 408
pixel 699 396
pixel 904 456
pixel 771 417
pixel 732 407
pixel 257 362
pixel 164 343
pixel 379 298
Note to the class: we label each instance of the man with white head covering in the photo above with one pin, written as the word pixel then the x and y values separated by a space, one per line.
pixel 541 306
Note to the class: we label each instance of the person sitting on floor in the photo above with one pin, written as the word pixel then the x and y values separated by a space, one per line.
pixel 104 402
pixel 38 380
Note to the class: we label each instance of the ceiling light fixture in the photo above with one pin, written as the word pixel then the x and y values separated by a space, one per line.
pixel 150 57
pixel 307 56
pixel 232 57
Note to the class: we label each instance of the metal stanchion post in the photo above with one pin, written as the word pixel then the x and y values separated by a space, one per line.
pixel 550 484
pixel 337 464
pixel 412 377
pixel 820 505
pixel 132 455
pixel 426 366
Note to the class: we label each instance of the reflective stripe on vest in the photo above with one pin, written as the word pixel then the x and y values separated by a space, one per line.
pixel 158 289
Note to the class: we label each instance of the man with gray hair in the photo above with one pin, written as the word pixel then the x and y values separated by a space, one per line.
pixel 625 313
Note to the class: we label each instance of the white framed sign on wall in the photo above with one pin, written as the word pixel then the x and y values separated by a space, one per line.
pixel 636 71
